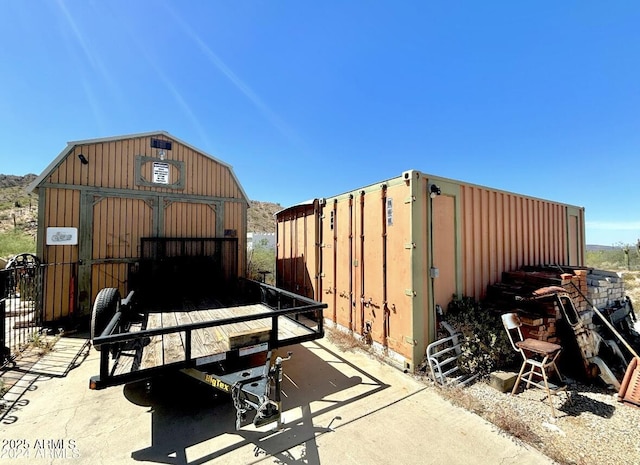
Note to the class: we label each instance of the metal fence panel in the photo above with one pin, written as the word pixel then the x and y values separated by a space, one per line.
pixel 20 308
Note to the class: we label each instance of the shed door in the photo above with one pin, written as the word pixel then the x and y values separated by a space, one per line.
pixel 118 224
pixel 188 219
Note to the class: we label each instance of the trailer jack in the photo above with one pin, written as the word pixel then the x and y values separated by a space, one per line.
pixel 250 390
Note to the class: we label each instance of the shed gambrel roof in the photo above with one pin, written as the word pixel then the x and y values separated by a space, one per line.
pixel 33 187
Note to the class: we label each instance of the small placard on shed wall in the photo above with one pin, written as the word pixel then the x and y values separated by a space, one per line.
pixel 62 236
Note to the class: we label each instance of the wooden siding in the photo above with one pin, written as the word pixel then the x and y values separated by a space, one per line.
pixel 184 219
pixel 235 225
pixel 112 165
pixel 118 225
pixel 60 274
pixel 113 203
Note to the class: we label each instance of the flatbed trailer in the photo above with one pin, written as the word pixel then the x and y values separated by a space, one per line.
pixel 225 340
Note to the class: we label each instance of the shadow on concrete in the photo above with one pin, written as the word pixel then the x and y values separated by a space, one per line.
pixel 191 423
pixel 31 367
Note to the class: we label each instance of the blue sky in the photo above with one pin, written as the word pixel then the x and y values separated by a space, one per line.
pixel 311 99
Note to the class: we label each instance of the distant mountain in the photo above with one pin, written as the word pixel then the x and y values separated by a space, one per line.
pixel 260 217
pixel 597 248
pixel 9 180
pixel 20 209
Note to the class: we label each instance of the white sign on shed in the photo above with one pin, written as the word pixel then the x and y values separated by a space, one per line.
pixel 161 173
pixel 62 236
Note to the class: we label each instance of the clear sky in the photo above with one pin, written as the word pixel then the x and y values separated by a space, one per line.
pixel 311 99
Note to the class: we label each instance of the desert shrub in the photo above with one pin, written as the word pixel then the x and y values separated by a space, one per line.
pixel 262 259
pixel 621 257
pixel 486 346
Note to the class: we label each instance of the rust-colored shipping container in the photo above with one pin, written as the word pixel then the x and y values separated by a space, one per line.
pixel 99 197
pixel 385 256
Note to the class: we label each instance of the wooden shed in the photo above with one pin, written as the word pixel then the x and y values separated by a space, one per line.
pixel 98 198
pixel 385 256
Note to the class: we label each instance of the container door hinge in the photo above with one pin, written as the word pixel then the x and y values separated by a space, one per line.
pixel 410 292
pixel 409 340
pixel 410 199
pixel 410 245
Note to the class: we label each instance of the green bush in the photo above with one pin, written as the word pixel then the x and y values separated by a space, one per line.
pixel 614 258
pixel 16 242
pixel 262 259
pixel 486 346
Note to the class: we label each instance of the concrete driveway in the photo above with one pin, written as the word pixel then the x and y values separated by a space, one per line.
pixel 339 408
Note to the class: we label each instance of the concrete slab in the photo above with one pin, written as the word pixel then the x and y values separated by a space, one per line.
pixel 340 408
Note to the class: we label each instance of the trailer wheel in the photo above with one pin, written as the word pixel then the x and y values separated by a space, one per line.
pixel 106 305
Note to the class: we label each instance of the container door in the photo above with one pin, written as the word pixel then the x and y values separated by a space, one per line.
pixel 445 244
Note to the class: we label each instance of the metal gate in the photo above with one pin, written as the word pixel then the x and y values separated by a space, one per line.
pixel 20 305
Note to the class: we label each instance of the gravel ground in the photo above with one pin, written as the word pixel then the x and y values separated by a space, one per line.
pixel 591 427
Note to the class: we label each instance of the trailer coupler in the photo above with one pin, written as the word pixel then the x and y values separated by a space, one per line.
pixel 250 390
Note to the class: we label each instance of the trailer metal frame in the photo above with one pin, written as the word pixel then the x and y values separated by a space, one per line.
pixel 113 338
pixel 242 365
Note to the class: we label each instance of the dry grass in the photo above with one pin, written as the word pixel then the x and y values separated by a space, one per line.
pixel 346 341
pixel 42 343
pixel 504 418
pixel 461 398
pixel 632 286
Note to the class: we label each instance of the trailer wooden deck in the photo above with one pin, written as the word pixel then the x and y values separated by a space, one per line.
pixel 169 348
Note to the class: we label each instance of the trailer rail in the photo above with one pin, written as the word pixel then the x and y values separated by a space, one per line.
pixel 286 319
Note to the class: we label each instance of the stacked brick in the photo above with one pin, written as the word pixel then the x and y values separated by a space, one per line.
pixel 602 288
pixel 605 288
pixel 576 285
pixel 536 327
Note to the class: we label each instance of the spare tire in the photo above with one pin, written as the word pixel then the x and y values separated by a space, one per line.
pixel 106 305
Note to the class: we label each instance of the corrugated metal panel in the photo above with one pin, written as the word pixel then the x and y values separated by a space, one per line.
pixel 399 274
pixel 296 250
pixel 503 231
pixel 364 292
pixel 328 253
pixel 469 234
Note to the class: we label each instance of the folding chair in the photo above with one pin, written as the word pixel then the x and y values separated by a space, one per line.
pixel 537 355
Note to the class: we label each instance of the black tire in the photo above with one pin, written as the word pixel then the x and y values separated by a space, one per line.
pixel 106 305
